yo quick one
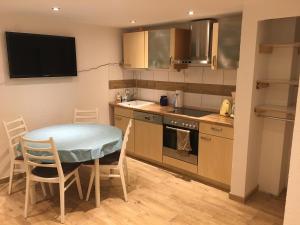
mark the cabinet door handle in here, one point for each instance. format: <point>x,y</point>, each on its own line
<point>214,62</point>
<point>216,129</point>
<point>205,138</point>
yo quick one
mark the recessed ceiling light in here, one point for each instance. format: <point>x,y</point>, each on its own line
<point>191,13</point>
<point>56,9</point>
<point>132,21</point>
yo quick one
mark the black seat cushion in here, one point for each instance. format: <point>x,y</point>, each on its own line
<point>52,172</point>
<point>19,157</point>
<point>111,159</point>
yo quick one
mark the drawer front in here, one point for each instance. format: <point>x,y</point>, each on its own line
<point>147,117</point>
<point>124,112</point>
<point>180,164</point>
<point>216,130</point>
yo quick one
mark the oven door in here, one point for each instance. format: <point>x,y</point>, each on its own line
<point>170,145</point>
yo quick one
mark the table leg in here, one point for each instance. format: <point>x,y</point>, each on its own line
<point>97,183</point>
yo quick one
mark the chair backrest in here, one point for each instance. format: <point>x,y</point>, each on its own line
<point>41,153</point>
<point>124,144</point>
<point>15,130</point>
<point>86,116</point>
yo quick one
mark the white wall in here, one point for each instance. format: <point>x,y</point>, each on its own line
<point>45,101</point>
<point>246,155</point>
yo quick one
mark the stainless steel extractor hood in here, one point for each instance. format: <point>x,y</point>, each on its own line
<point>201,42</point>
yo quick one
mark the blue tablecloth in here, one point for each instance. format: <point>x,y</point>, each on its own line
<point>80,142</point>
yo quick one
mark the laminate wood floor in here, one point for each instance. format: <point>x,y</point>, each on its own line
<point>156,197</point>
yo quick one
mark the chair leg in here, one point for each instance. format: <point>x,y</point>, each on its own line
<point>62,201</point>
<point>126,171</point>
<point>33,192</point>
<point>11,176</point>
<point>51,189</point>
<point>123,182</point>
<point>78,184</point>
<point>44,189</point>
<point>92,176</point>
<point>27,197</point>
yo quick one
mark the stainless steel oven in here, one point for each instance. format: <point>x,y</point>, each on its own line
<point>170,128</point>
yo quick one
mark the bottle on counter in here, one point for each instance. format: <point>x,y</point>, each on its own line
<point>118,98</point>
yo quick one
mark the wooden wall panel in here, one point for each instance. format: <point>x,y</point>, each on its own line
<point>117,84</point>
<point>209,89</point>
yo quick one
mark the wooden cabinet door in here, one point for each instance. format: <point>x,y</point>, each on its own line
<point>180,40</point>
<point>135,49</point>
<point>148,140</point>
<point>122,122</point>
<point>215,158</point>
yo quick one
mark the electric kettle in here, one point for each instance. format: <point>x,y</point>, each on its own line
<point>225,109</point>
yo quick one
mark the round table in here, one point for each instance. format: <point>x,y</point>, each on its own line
<point>82,142</point>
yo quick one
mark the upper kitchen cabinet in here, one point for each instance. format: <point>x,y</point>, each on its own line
<point>162,48</point>
<point>167,47</point>
<point>159,48</point>
<point>135,50</point>
<point>226,41</point>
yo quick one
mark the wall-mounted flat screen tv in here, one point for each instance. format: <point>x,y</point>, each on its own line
<point>37,55</point>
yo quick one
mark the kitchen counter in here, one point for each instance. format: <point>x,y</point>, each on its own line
<point>168,111</point>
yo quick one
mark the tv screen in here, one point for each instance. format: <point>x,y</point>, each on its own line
<point>36,55</point>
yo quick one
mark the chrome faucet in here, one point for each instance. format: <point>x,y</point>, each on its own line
<point>127,96</point>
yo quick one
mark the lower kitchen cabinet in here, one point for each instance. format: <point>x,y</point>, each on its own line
<point>148,140</point>
<point>122,122</point>
<point>215,158</point>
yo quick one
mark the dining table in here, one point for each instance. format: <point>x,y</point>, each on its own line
<point>82,142</point>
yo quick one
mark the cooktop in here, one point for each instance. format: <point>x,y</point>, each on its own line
<point>190,112</point>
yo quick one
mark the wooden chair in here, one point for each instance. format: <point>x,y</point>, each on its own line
<point>42,164</point>
<point>115,162</point>
<point>15,130</point>
<point>86,116</point>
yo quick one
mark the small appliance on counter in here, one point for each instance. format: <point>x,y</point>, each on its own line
<point>178,99</point>
<point>164,100</point>
<point>225,109</point>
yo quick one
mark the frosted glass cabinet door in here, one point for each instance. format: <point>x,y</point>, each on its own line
<point>159,49</point>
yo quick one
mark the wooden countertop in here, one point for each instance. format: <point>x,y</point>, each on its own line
<point>168,110</point>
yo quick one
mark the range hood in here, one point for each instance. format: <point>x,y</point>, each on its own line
<point>201,42</point>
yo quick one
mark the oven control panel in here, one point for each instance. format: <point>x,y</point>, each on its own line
<point>188,124</point>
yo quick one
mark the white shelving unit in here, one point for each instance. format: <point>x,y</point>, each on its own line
<point>284,113</point>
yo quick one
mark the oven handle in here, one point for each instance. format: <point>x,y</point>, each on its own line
<point>176,129</point>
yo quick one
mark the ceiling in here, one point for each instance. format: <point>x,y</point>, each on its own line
<point>118,13</point>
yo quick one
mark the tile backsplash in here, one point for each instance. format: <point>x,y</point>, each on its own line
<point>191,75</point>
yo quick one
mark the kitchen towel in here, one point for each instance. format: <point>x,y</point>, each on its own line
<point>183,140</point>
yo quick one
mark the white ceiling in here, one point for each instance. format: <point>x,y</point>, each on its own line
<point>118,13</point>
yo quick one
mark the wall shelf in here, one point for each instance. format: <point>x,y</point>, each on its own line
<point>275,112</point>
<point>268,82</point>
<point>268,48</point>
<point>288,110</point>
